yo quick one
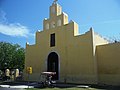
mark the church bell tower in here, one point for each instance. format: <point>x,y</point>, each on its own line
<point>55,9</point>
<point>56,18</point>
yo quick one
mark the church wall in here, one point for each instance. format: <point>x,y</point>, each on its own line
<point>75,54</point>
<point>82,58</point>
<point>63,17</point>
<point>79,59</point>
<point>109,64</point>
<point>31,58</point>
<point>36,55</point>
<point>86,58</point>
<point>97,40</point>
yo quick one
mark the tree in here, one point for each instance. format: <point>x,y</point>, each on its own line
<point>11,56</point>
<point>114,39</point>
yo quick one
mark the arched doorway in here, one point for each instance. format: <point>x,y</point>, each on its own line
<point>53,65</point>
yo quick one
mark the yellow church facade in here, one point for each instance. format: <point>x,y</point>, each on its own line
<point>76,58</point>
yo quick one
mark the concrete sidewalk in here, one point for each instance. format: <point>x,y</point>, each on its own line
<point>1,88</point>
<point>14,87</point>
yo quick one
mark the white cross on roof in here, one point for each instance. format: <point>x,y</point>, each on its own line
<point>55,1</point>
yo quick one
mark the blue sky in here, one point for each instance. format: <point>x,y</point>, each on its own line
<point>20,19</point>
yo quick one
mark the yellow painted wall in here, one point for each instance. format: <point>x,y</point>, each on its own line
<point>75,53</point>
<point>86,58</point>
<point>109,63</point>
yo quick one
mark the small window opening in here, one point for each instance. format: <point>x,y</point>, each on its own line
<point>52,40</point>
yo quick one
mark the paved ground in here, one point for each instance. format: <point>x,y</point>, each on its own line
<point>23,85</point>
<point>11,89</point>
<point>15,87</point>
<point>32,85</point>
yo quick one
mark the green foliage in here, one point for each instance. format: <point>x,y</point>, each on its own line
<point>11,56</point>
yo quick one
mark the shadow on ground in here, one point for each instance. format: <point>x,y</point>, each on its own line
<point>105,87</point>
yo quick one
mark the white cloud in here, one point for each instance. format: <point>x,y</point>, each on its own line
<point>13,29</point>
